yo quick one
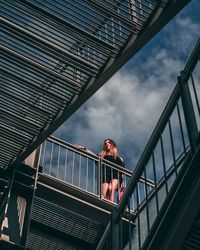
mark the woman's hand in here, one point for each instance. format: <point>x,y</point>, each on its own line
<point>122,187</point>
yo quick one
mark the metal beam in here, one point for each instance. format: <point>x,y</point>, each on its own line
<point>128,52</point>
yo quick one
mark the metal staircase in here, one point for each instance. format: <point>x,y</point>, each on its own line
<point>54,56</point>
<point>192,240</point>
<point>60,206</point>
<point>169,213</point>
<point>65,225</point>
<point>57,54</point>
<point>20,190</point>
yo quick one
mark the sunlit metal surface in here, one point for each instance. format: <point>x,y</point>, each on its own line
<point>55,54</point>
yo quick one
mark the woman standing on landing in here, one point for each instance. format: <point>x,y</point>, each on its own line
<point>111,178</point>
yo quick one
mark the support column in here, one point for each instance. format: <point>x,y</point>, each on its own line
<point>115,231</point>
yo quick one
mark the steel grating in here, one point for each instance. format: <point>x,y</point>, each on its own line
<point>66,222</point>
<point>40,241</point>
<point>55,54</point>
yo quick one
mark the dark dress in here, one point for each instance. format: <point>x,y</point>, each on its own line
<point>109,173</point>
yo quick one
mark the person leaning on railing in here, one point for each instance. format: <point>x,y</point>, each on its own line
<point>112,179</point>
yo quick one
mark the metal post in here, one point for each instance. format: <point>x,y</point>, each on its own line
<point>115,230</point>
<point>29,204</point>
<point>188,110</point>
<point>5,215</point>
<point>100,177</point>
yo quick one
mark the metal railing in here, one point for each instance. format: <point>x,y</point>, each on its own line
<point>83,170</point>
<point>175,136</point>
<point>56,54</point>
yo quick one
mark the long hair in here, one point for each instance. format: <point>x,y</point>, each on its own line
<point>113,150</point>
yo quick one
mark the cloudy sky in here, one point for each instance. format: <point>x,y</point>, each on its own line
<point>129,105</point>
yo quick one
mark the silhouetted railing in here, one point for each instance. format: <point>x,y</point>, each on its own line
<point>175,136</point>
<point>82,169</point>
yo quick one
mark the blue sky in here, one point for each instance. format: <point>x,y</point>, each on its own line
<point>129,105</point>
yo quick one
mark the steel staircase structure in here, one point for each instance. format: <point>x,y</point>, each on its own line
<point>54,56</point>
<point>57,54</point>
<point>46,205</point>
<point>169,216</point>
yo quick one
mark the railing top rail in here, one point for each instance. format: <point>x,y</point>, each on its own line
<point>88,154</point>
<point>149,147</point>
<point>65,144</point>
<point>195,56</point>
<point>158,130</point>
<point>97,158</point>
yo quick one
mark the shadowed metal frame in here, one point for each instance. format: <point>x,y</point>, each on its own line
<point>57,54</point>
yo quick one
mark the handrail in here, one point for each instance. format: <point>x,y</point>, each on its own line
<point>157,168</point>
<point>150,146</point>
<point>173,121</point>
<point>80,168</point>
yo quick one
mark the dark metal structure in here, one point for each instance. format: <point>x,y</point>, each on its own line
<point>169,216</point>
<point>47,204</point>
<point>54,56</point>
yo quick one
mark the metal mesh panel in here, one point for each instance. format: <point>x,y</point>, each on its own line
<point>66,221</point>
<point>54,56</point>
<point>38,241</point>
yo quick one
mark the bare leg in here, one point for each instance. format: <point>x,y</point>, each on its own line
<point>109,191</point>
<point>114,184</point>
<point>121,190</point>
<point>104,190</point>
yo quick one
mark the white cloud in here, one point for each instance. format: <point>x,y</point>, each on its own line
<point>182,35</point>
<point>128,107</point>
<point>126,112</point>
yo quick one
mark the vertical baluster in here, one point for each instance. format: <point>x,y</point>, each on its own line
<point>93,177</point>
<point>73,159</point>
<point>118,186</point>
<point>188,109</point>
<point>121,232</point>
<point>155,180</point>
<point>44,152</point>
<point>87,169</point>
<point>112,177</point>
<point>133,202</point>
<point>164,165</point>
<point>172,145</point>
<point>79,171</point>
<point>143,186</point>
<point>58,162</point>
<point>66,156</point>
<point>181,127</point>
<point>129,225</point>
<point>51,157</point>
<point>100,177</point>
<point>138,215</point>
<point>146,198</point>
<point>195,94</point>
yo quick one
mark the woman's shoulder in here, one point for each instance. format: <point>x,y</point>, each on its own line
<point>120,160</point>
